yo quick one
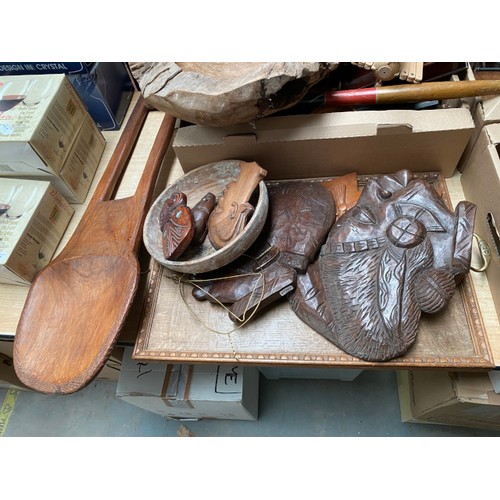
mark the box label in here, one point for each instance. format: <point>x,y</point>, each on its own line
<point>228,380</point>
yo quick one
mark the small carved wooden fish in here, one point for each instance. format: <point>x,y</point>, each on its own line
<point>176,225</point>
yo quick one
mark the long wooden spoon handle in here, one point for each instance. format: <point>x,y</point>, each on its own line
<point>122,153</point>
<point>144,192</point>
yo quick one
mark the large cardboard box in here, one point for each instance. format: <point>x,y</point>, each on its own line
<point>33,219</point>
<point>46,132</point>
<point>481,184</point>
<point>464,399</point>
<point>321,145</point>
<point>190,392</point>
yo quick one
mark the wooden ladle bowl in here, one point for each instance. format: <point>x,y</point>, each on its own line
<point>196,184</point>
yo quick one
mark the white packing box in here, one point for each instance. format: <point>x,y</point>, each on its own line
<point>33,219</point>
<point>46,133</point>
<point>279,372</point>
<point>319,145</point>
<point>190,392</point>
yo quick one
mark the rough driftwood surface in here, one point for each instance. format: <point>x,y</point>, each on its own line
<point>225,93</point>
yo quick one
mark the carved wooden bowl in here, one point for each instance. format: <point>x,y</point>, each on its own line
<point>196,184</point>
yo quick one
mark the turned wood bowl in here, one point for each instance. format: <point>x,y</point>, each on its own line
<point>195,184</point>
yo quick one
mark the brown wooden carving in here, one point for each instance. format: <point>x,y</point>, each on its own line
<point>345,192</point>
<point>176,225</point>
<point>219,94</point>
<point>398,252</point>
<point>301,215</point>
<point>277,281</point>
<point>299,219</point>
<point>201,212</point>
<point>233,209</point>
<point>77,304</point>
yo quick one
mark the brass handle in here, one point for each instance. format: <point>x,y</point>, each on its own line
<point>485,252</point>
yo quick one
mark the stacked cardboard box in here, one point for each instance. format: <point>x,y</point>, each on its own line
<point>46,133</point>
<point>105,88</point>
<point>33,219</point>
<point>190,392</point>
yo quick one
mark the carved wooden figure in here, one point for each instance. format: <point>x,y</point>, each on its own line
<point>201,212</point>
<point>398,252</point>
<point>233,209</point>
<point>176,225</point>
<point>345,192</point>
<point>299,219</point>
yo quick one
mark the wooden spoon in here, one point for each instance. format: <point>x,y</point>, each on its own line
<point>78,303</point>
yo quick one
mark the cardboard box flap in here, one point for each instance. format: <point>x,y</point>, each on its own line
<point>334,143</point>
<point>326,126</point>
<point>475,388</point>
<point>387,129</point>
<point>490,110</point>
<point>493,132</point>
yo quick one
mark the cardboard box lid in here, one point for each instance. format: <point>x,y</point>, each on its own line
<point>317,145</point>
<point>488,110</point>
<point>328,126</point>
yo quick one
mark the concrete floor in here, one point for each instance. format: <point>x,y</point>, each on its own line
<point>365,407</point>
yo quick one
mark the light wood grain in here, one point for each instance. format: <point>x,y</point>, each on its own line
<point>78,303</point>
<point>232,211</point>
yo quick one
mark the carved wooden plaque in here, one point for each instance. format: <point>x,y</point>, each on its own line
<point>453,339</point>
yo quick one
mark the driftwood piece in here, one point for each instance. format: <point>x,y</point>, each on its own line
<point>233,209</point>
<point>398,252</point>
<point>176,226</point>
<point>220,94</point>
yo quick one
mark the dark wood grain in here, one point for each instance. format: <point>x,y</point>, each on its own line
<point>176,225</point>
<point>398,252</point>
<point>201,212</point>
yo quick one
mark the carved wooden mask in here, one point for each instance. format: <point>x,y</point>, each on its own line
<point>398,252</point>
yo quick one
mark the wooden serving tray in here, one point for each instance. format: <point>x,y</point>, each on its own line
<point>454,339</point>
